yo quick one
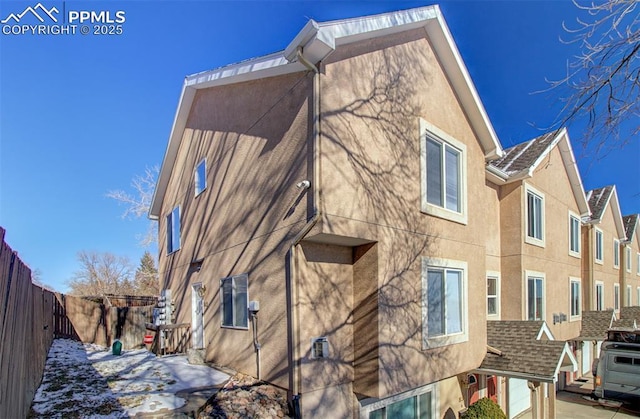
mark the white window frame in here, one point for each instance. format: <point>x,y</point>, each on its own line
<point>638,296</point>
<point>627,256</point>
<point>533,274</point>
<point>428,130</point>
<point>599,301</point>
<point>528,189</point>
<point>370,405</point>
<point>616,253</point>
<point>573,281</point>
<point>638,266</point>
<point>429,342</point>
<point>233,299</point>
<point>616,297</point>
<point>573,217</point>
<point>598,243</point>
<point>628,296</point>
<point>200,181</point>
<point>172,218</point>
<point>496,276</point>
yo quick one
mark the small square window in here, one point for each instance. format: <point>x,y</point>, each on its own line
<point>201,177</point>
<point>319,347</point>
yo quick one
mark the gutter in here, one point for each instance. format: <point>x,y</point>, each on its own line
<point>295,376</point>
<point>509,374</point>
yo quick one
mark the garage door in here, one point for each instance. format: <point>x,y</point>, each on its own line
<point>518,396</point>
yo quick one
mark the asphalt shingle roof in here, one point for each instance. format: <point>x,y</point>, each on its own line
<point>521,352</point>
<point>595,324</point>
<point>630,222</point>
<point>522,156</point>
<point>598,199</point>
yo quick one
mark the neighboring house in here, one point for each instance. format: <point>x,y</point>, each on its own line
<point>340,186</point>
<point>630,261</point>
<point>603,234</point>
<point>542,203</point>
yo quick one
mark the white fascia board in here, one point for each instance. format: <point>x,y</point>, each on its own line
<point>544,330</point>
<point>495,175</point>
<point>179,123</point>
<point>567,353</point>
<point>459,77</point>
<point>546,152</point>
<point>510,374</point>
<point>617,214</point>
<point>571,165</point>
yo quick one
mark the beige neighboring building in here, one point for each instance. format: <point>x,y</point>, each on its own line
<point>339,186</point>
<point>542,203</point>
<point>630,261</point>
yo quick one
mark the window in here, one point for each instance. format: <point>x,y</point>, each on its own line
<point>638,266</point>
<point>575,298</point>
<point>535,297</point>
<point>417,404</point>
<point>616,297</point>
<point>444,308</point>
<point>173,230</point>
<point>627,258</point>
<point>616,253</point>
<point>638,295</point>
<point>443,174</point>
<point>628,296</point>
<point>200,177</point>
<point>492,295</point>
<point>599,246</point>
<point>574,236</point>
<point>599,296</point>
<point>235,301</point>
<point>534,217</point>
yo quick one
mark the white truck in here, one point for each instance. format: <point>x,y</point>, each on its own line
<point>617,372</point>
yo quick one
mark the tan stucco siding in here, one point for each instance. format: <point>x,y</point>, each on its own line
<point>256,139</point>
<point>605,272</point>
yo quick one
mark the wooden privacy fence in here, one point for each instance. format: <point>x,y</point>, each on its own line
<point>26,333</point>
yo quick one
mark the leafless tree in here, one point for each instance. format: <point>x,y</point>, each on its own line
<point>102,273</point>
<point>603,81</point>
<point>138,202</point>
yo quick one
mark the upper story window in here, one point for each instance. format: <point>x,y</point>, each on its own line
<point>235,301</point>
<point>574,235</point>
<point>200,177</point>
<point>535,296</point>
<point>493,299</point>
<point>444,182</point>
<point>616,253</point>
<point>627,258</point>
<point>444,302</point>
<point>638,266</point>
<point>575,298</point>
<point>599,246</point>
<point>535,217</point>
<point>173,230</point>
<point>599,296</point>
<point>628,296</point>
<point>616,297</point>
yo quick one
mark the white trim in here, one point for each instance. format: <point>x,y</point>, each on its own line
<point>574,280</point>
<point>629,297</point>
<point>616,301</point>
<point>616,251</point>
<point>573,216</point>
<point>494,274</point>
<point>528,239</point>
<point>428,130</point>
<point>638,267</point>
<point>595,246</point>
<point>627,259</point>
<point>534,274</point>
<point>638,296</point>
<point>233,279</point>
<point>444,340</point>
<point>369,405</point>
<point>602,305</point>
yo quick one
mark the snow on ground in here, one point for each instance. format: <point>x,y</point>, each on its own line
<point>88,381</point>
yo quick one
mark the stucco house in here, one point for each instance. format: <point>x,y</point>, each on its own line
<point>324,217</point>
<point>630,261</point>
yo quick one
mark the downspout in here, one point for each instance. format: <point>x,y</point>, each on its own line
<point>295,378</point>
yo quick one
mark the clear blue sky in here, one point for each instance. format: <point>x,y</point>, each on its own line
<point>82,114</point>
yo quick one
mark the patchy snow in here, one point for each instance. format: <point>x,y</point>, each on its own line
<point>88,381</point>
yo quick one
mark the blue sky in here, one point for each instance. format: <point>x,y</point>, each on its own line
<point>82,114</point>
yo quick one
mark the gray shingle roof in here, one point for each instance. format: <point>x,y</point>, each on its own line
<point>598,199</point>
<point>595,324</point>
<point>522,156</point>
<point>521,352</point>
<point>630,222</point>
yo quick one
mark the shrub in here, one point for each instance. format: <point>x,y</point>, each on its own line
<point>484,409</point>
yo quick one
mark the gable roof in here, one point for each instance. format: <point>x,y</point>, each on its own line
<point>630,223</point>
<point>314,43</point>
<point>521,161</point>
<point>522,353</point>
<point>594,324</point>
<point>598,200</point>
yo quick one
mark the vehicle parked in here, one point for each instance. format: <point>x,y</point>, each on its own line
<point>617,372</point>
